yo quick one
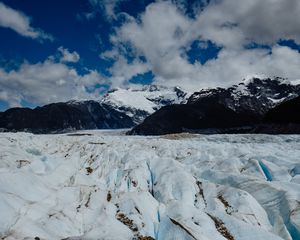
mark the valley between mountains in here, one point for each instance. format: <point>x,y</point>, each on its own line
<point>106,185</point>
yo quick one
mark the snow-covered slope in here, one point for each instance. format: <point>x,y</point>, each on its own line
<point>105,185</point>
<point>138,103</point>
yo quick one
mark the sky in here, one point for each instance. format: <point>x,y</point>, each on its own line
<point>53,51</point>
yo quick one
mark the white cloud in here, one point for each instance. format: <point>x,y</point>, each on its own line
<point>46,82</point>
<point>253,20</point>
<point>19,22</point>
<point>122,71</point>
<point>164,33</point>
<point>107,7</point>
<point>67,56</point>
<point>159,37</point>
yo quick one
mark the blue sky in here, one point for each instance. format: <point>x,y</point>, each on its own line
<point>60,50</point>
<point>68,26</point>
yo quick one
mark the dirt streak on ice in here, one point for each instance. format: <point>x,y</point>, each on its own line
<point>105,185</point>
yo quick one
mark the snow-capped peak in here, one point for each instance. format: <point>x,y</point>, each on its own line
<point>140,101</point>
<point>293,82</point>
<point>253,93</point>
<point>249,78</point>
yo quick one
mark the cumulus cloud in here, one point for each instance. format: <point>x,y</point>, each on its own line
<point>164,33</point>
<point>20,23</point>
<point>47,82</point>
<point>67,56</point>
<point>122,71</point>
<point>159,36</point>
<point>254,20</point>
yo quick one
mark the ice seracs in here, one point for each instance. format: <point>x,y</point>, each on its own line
<point>105,185</point>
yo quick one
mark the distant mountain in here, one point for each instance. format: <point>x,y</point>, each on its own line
<point>59,117</point>
<point>120,108</point>
<point>185,117</point>
<point>221,110</point>
<point>233,109</point>
<point>253,96</point>
<point>139,103</point>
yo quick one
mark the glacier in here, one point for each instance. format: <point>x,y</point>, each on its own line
<point>106,185</point>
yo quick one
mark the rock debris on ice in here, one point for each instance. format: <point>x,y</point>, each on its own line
<point>105,185</point>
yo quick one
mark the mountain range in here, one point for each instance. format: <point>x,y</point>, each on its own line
<point>254,105</point>
<point>119,108</point>
<point>241,108</point>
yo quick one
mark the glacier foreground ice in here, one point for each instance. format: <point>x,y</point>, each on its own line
<point>105,185</point>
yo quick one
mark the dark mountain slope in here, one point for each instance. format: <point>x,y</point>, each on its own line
<point>57,117</point>
<point>287,112</point>
<point>179,118</point>
<point>282,119</point>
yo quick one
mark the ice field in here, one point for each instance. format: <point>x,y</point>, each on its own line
<point>106,185</point>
